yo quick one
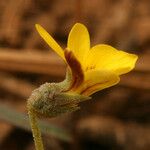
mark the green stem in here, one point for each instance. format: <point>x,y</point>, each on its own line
<point>35,129</point>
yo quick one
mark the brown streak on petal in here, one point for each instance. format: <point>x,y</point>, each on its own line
<point>76,68</point>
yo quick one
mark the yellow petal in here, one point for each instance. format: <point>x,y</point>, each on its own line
<point>79,41</point>
<point>97,80</point>
<point>106,57</point>
<point>50,41</point>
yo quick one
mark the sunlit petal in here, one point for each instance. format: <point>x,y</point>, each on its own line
<point>106,57</point>
<point>79,41</point>
<point>49,40</point>
<point>97,80</point>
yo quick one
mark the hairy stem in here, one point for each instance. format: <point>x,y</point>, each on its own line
<point>35,129</point>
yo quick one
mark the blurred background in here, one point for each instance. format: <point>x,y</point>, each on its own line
<point>117,118</point>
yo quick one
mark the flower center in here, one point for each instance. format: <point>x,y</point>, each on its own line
<point>90,68</point>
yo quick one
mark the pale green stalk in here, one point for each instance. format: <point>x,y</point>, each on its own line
<point>51,100</point>
<point>35,130</point>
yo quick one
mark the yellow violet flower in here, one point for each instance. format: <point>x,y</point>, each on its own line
<point>92,69</point>
<point>89,70</point>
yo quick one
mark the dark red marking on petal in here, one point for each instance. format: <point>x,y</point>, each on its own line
<point>76,68</point>
<point>90,68</point>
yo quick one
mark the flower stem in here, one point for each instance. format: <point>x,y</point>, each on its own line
<point>35,130</point>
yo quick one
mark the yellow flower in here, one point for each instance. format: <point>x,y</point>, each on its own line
<point>92,69</point>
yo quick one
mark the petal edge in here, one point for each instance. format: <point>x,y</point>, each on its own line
<point>49,40</point>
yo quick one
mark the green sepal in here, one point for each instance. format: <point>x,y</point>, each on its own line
<point>65,98</point>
